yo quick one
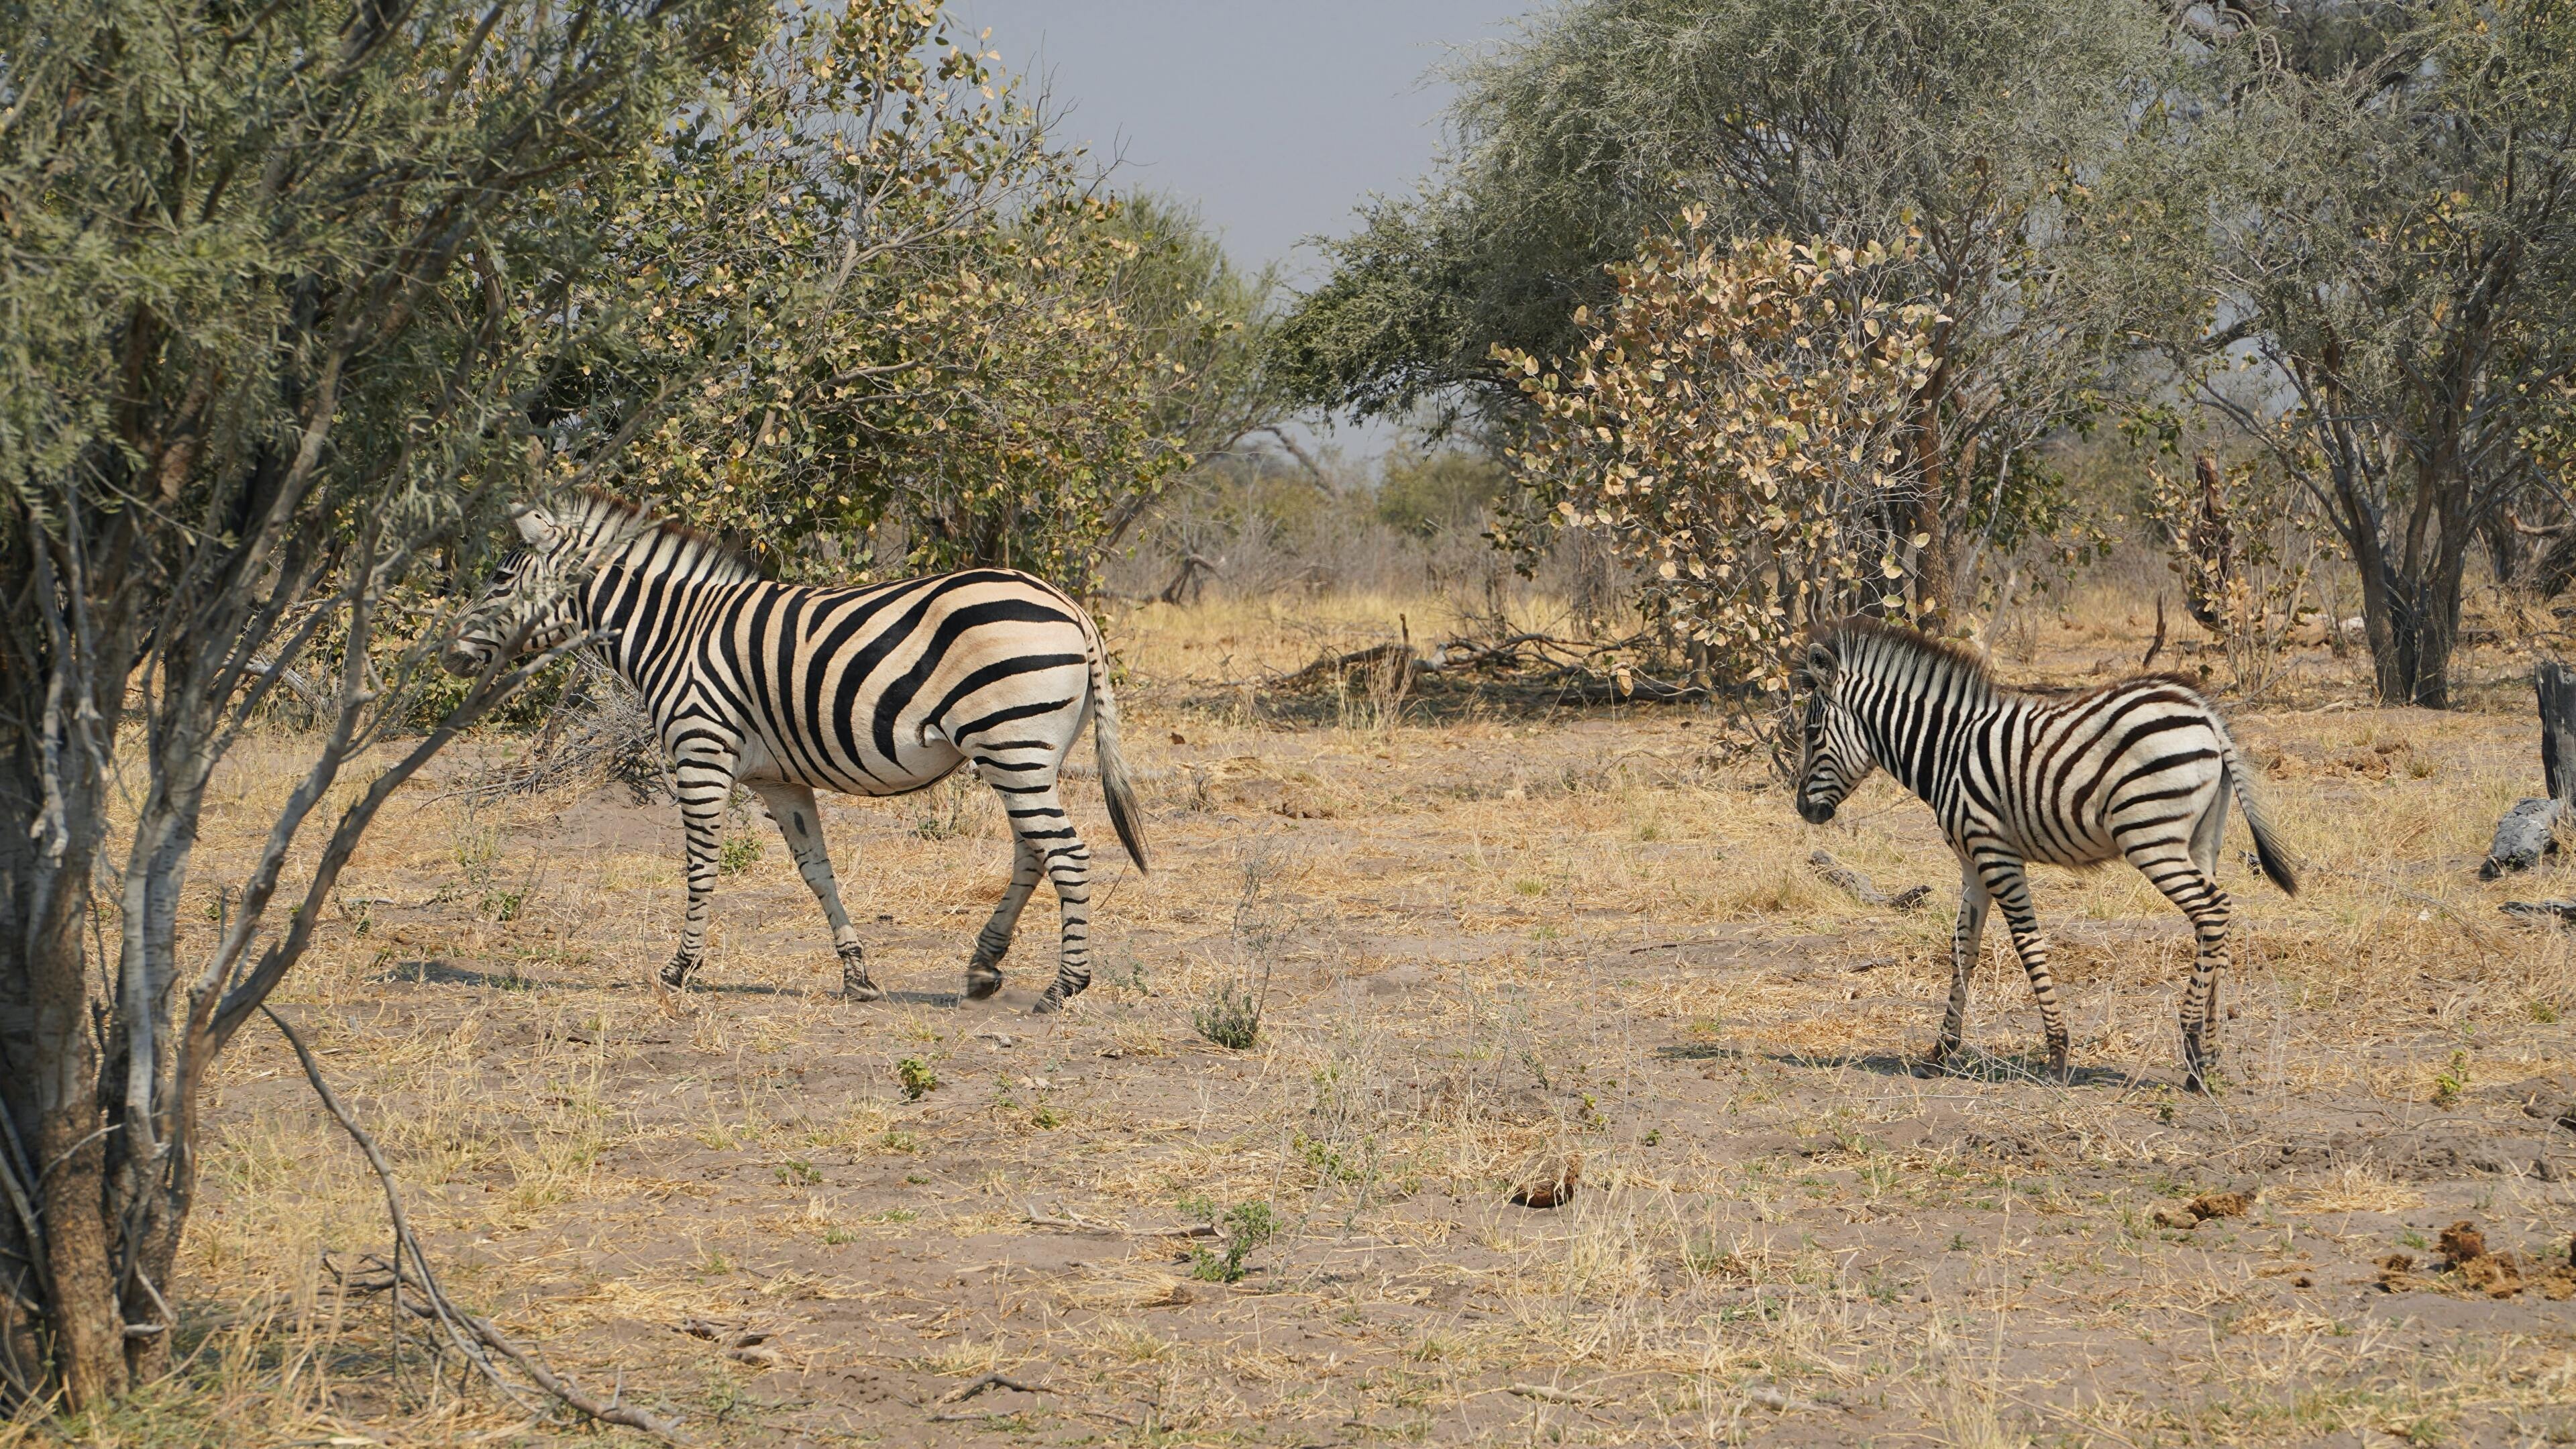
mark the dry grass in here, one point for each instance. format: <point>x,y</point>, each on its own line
<point>1491,942</point>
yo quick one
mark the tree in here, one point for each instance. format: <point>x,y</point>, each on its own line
<point>1736,426</point>
<point>296,292</point>
<point>927,321</point>
<point>2368,212</point>
<point>1967,127</point>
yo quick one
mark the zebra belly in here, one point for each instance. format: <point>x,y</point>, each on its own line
<point>932,761</point>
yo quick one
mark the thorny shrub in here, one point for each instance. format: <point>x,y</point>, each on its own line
<point>1735,427</point>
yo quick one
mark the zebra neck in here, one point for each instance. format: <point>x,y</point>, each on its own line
<point>643,592</point>
<point>1920,725</point>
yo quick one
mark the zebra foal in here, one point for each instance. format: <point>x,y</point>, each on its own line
<point>2139,771</point>
<point>877,690</point>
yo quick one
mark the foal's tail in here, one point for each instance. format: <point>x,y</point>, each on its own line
<point>1124,814</point>
<point>2267,851</point>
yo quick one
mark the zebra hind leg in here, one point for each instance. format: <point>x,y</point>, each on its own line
<point>984,972</point>
<point>1045,831</point>
<point>2196,895</point>
<point>2009,884</point>
<point>801,824</point>
<point>1964,942</point>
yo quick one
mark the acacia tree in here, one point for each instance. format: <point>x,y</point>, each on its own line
<point>1972,127</point>
<point>2369,214</point>
<point>1736,426</point>
<point>290,288</point>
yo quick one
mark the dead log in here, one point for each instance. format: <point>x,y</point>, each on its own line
<point>1858,886</point>
<point>2528,831</point>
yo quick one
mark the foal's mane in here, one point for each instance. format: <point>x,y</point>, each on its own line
<point>1860,635</point>
<point>644,518</point>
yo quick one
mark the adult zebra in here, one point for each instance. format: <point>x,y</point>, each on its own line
<point>879,690</point>
<point>2139,770</point>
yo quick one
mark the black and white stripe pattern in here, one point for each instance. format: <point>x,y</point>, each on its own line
<point>879,690</point>
<point>2138,771</point>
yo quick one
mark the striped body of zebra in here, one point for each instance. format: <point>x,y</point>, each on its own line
<point>2139,771</point>
<point>879,690</point>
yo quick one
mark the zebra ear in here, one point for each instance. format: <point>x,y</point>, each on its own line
<point>1820,662</point>
<point>535,527</point>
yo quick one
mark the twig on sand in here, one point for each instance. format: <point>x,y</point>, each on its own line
<point>964,1392</point>
<point>1546,1395</point>
<point>434,1304</point>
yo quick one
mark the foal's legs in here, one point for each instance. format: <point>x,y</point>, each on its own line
<point>2009,884</point>
<point>706,775</point>
<point>1045,834</point>
<point>984,972</point>
<point>802,825</point>
<point>2189,886</point>
<point>1964,939</point>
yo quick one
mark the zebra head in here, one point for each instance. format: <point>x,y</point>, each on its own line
<point>1833,755</point>
<point>530,602</point>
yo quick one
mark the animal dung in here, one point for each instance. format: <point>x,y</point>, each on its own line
<point>2187,1216</point>
<point>1550,1183</point>
<point>2462,1241</point>
<point>2221,1205</point>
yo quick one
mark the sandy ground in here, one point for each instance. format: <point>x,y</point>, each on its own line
<point>1492,949</point>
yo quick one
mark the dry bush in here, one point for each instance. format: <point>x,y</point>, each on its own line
<point>1736,428</point>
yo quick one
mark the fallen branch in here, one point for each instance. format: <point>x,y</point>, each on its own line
<point>1546,1395</point>
<point>435,1305</point>
<point>990,1381</point>
<point>1858,886</point>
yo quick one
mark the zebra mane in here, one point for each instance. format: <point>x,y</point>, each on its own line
<point>710,556</point>
<point>1868,642</point>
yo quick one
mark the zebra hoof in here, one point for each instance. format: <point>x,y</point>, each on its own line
<point>982,982</point>
<point>675,973</point>
<point>855,985</point>
<point>1051,1003</point>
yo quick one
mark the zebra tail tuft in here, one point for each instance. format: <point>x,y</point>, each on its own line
<point>2267,852</point>
<point>1124,814</point>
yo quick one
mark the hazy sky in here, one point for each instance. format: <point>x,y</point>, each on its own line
<point>1276,117</point>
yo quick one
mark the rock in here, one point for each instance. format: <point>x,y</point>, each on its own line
<point>2170,1216</point>
<point>2221,1205</point>
<point>1551,1184</point>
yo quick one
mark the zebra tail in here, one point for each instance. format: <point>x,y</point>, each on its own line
<point>2267,852</point>
<point>1124,814</point>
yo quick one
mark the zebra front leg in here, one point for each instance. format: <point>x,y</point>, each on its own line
<point>984,972</point>
<point>801,823</point>
<point>2197,896</point>
<point>1964,942</point>
<point>705,784</point>
<point>2009,884</point>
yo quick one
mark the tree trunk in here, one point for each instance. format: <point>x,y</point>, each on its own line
<point>2555,684</point>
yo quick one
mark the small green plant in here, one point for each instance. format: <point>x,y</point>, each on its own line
<point>1197,1207</point>
<point>1045,1119</point>
<point>1241,1231</point>
<point>505,906</point>
<point>2451,1081</point>
<point>2544,1011</point>
<point>835,1235</point>
<point>916,1078</point>
<point>737,853</point>
<point>1230,1016</point>
<point>795,1172</point>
